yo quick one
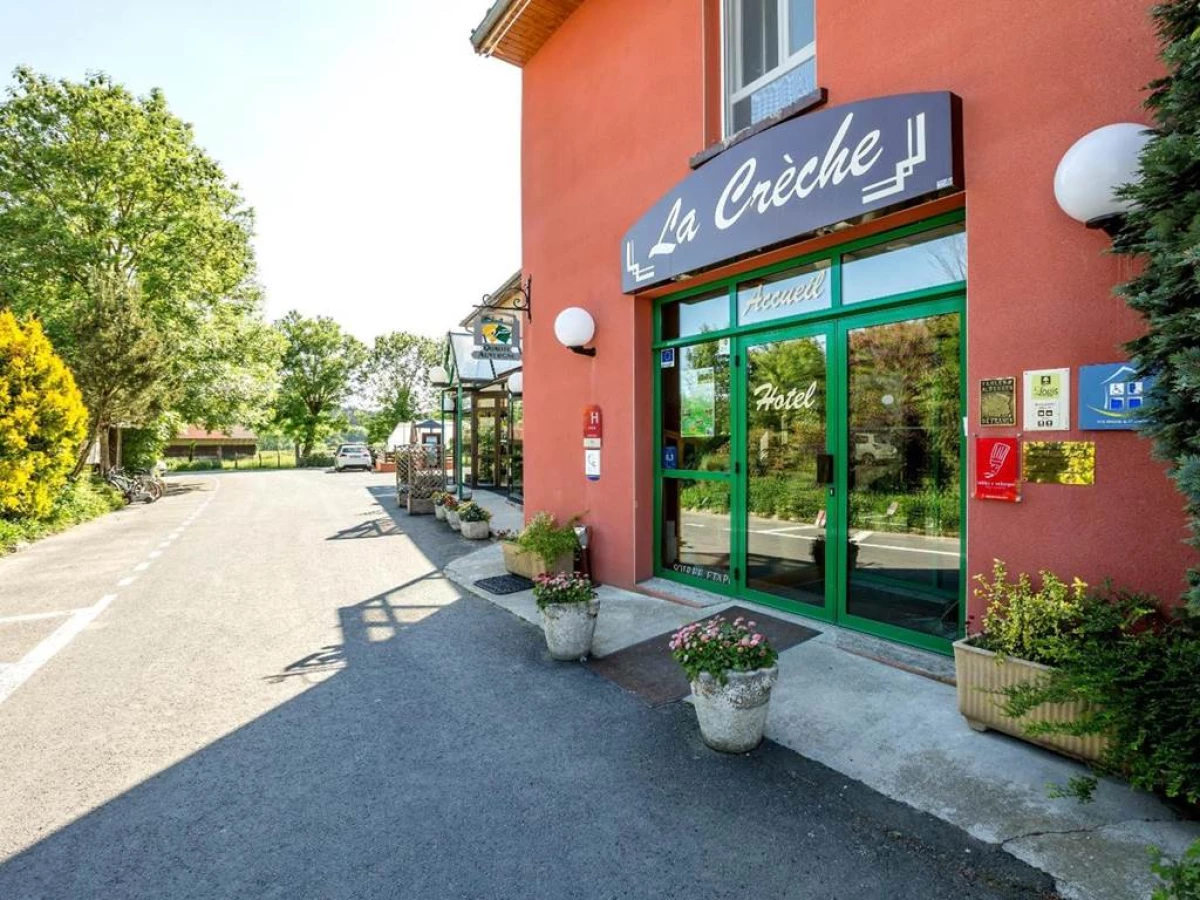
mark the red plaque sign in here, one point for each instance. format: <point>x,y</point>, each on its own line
<point>996,468</point>
<point>593,425</point>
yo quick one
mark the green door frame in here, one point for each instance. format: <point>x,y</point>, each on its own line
<point>836,322</point>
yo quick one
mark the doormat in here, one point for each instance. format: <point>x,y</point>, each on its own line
<point>648,670</point>
<point>505,584</point>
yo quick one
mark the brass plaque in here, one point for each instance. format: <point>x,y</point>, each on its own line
<point>998,401</point>
<point>1059,462</point>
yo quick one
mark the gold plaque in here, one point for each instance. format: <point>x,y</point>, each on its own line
<point>998,401</point>
<point>1059,462</point>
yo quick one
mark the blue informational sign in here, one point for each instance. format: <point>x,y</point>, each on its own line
<point>1111,397</point>
<point>666,358</point>
<point>670,457</point>
<point>798,176</point>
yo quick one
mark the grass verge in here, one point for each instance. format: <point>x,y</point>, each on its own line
<point>80,500</point>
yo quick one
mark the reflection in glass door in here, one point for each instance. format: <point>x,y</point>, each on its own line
<point>787,468</point>
<point>903,471</point>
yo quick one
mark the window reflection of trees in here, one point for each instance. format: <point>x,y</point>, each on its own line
<point>904,394</point>
<point>783,443</point>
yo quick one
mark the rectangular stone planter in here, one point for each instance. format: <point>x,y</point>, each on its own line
<point>419,507</point>
<point>475,531</point>
<point>522,562</point>
<point>983,676</point>
<point>452,519</point>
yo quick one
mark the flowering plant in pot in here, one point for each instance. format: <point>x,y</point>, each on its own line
<point>451,505</point>
<point>473,521</point>
<point>732,669</point>
<point>569,607</point>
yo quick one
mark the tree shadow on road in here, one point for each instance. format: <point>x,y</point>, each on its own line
<point>440,753</point>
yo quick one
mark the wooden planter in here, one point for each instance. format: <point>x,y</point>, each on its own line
<point>522,562</point>
<point>983,677</point>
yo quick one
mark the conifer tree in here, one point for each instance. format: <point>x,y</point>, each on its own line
<point>1163,233</point>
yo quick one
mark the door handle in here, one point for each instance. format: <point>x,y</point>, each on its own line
<point>824,468</point>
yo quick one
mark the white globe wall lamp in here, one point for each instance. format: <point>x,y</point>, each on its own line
<point>574,327</point>
<point>439,377</point>
<point>515,383</point>
<point>1093,168</point>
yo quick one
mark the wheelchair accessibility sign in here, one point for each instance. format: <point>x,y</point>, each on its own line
<point>1111,397</point>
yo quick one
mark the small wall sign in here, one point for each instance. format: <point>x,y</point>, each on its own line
<point>1112,397</point>
<point>1059,462</point>
<point>997,470</point>
<point>998,401</point>
<point>591,464</point>
<point>666,358</point>
<point>670,457</point>
<point>593,422</point>
<point>1047,400</point>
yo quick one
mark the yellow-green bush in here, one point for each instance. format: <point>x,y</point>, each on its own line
<point>42,420</point>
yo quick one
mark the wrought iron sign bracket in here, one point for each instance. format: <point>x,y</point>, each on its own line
<point>523,302</point>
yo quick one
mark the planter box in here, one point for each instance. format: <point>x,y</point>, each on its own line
<point>476,531</point>
<point>452,519</point>
<point>418,507</point>
<point>982,678</point>
<point>439,513</point>
<point>522,562</point>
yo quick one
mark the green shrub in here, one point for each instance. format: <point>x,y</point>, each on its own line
<point>1137,670</point>
<point>77,501</point>
<point>473,512</point>
<point>547,539</point>
<point>1180,878</point>
<point>315,461</point>
<point>1032,624</point>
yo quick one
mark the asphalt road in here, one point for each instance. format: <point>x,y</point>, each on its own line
<point>262,686</point>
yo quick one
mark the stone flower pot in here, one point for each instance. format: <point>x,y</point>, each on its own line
<point>569,628</point>
<point>452,519</point>
<point>439,512</point>
<point>476,531</point>
<point>530,565</point>
<point>982,678</point>
<point>733,715</point>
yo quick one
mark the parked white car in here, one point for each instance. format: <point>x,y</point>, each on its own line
<point>353,456</point>
<point>869,448</point>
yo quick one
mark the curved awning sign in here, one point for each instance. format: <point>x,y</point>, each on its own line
<point>801,175</point>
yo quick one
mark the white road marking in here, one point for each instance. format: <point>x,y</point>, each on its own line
<point>164,545</point>
<point>126,582</point>
<point>155,554</point>
<point>15,675</point>
<point>141,567</point>
<point>910,549</point>
<point>33,617</point>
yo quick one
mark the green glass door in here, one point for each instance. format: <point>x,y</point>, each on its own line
<point>850,441</point>
<point>903,504</point>
<point>788,486</point>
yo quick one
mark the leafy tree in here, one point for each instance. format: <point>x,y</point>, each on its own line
<point>1164,231</point>
<point>396,380</point>
<point>98,187</point>
<point>120,359</point>
<point>321,365</point>
<point>42,420</point>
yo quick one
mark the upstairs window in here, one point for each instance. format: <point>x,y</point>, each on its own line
<point>770,58</point>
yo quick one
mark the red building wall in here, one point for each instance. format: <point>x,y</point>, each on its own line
<point>613,107</point>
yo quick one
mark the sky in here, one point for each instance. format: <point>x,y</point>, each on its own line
<point>380,154</point>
